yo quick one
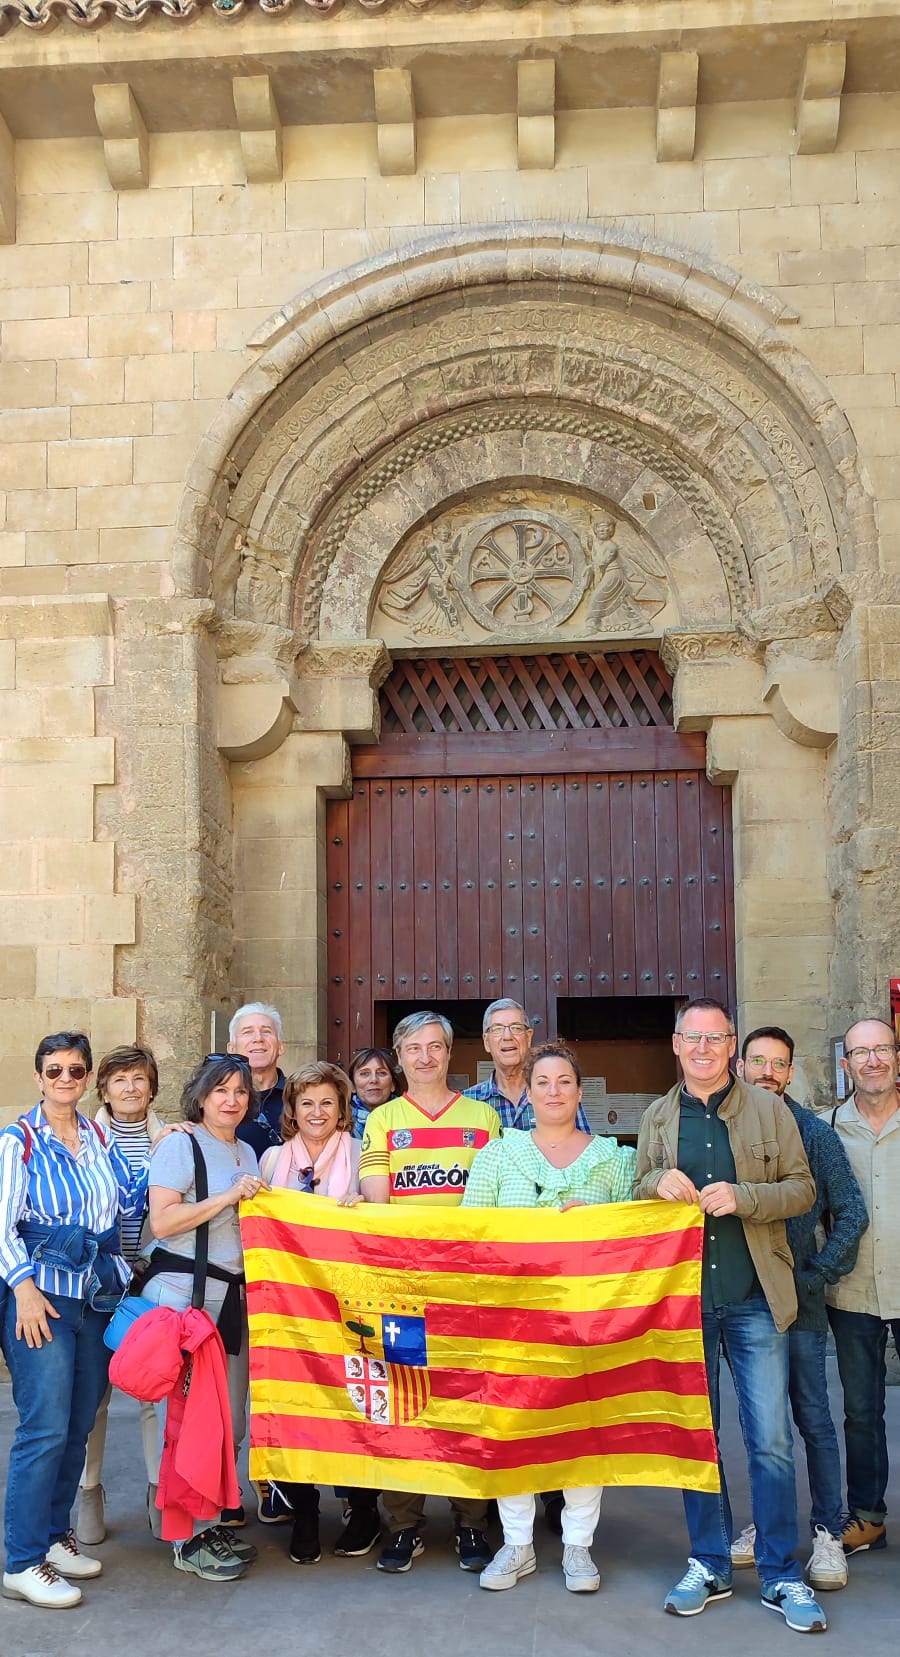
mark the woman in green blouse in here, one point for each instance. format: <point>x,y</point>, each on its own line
<point>553,1166</point>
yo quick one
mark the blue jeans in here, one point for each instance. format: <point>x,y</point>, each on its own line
<point>812,1414</point>
<point>861,1342</point>
<point>57,1389</point>
<point>757,1355</point>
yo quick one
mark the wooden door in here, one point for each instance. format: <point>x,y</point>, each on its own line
<point>553,857</point>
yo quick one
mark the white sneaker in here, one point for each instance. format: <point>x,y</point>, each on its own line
<point>507,1566</point>
<point>743,1548</point>
<point>827,1567</point>
<point>41,1585</point>
<point>582,1575</point>
<point>67,1558</point>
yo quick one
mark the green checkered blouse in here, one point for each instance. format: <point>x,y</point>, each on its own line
<point>512,1173</point>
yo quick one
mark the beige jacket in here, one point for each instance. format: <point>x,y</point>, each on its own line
<point>774,1179</point>
<point>155,1124</point>
<point>873,1286</point>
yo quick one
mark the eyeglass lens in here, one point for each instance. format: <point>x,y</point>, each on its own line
<point>76,1071</point>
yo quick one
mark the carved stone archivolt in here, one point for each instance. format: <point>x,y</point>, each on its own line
<point>536,358</point>
<point>522,565</point>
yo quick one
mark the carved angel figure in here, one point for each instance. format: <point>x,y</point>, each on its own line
<point>624,595</point>
<point>417,592</point>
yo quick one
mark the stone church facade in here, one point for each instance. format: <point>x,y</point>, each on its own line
<point>337,338</point>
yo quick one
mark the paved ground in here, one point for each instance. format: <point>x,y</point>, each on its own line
<point>141,1607</point>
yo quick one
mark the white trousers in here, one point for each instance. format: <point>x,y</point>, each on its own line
<point>581,1510</point>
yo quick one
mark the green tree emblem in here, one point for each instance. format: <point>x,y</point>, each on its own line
<point>362,1330</point>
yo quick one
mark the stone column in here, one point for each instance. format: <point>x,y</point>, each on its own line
<point>784,929</point>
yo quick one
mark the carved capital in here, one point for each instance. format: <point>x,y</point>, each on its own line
<point>367,660</point>
<point>708,644</point>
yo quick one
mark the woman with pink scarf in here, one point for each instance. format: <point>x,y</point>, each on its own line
<point>320,1156</point>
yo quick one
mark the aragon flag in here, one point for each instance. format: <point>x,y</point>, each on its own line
<point>476,1352</point>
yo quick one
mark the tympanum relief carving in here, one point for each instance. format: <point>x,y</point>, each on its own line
<point>523,565</point>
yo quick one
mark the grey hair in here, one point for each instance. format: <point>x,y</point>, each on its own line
<point>704,1004</point>
<point>417,1021</point>
<point>506,1004</point>
<point>256,1009</point>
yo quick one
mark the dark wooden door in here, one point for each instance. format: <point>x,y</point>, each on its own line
<point>588,859</point>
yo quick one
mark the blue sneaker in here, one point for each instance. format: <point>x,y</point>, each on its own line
<point>271,1507</point>
<point>693,1593</point>
<point>798,1606</point>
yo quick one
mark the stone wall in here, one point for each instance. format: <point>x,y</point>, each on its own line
<point>145,873</point>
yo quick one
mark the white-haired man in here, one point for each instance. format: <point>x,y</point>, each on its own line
<point>507,1032</point>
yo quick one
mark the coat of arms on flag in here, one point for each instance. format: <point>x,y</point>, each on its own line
<point>385,1350</point>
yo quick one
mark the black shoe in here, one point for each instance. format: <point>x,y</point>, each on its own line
<point>232,1518</point>
<point>304,1548</point>
<point>404,1547</point>
<point>553,1507</point>
<point>474,1552</point>
<point>361,1532</point>
<point>242,1550</point>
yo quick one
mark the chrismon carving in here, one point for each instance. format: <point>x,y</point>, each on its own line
<point>438,435</point>
<point>519,563</point>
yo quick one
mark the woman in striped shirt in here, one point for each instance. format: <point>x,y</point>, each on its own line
<point>127,1084</point>
<point>62,1190</point>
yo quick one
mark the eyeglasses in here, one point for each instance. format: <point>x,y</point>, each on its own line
<point>236,1060</point>
<point>759,1063</point>
<point>884,1051</point>
<point>692,1038</point>
<point>506,1030</point>
<point>52,1072</point>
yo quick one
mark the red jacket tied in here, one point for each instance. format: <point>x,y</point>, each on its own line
<point>179,1356</point>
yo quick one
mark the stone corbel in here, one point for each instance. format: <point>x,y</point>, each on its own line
<point>537,112</point>
<point>126,148</point>
<point>7,184</point>
<point>257,696</point>
<point>676,106</point>
<point>260,128</point>
<point>395,113</point>
<point>819,98</point>
<point>802,697</point>
<point>338,687</point>
<point>716,671</point>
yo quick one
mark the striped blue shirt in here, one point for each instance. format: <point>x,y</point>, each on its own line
<point>514,1116</point>
<point>55,1187</point>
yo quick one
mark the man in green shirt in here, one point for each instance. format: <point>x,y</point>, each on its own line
<point>735,1150</point>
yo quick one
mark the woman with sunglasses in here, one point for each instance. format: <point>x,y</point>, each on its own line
<point>63,1188</point>
<point>321,1156</point>
<point>216,1099</point>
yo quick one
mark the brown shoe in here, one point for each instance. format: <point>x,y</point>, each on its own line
<point>860,1534</point>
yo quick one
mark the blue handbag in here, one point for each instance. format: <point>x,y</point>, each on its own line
<point>126,1314</point>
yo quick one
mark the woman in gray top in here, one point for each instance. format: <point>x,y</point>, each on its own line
<point>216,1098</point>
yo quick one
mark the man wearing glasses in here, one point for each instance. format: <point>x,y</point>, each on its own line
<point>865,1304</point>
<point>507,1033</point>
<point>821,1256</point>
<point>735,1150</point>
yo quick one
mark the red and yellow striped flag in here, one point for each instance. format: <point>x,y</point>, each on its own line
<point>476,1352</point>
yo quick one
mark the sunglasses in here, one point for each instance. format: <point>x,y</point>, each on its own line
<point>77,1072</point>
<point>236,1060</point>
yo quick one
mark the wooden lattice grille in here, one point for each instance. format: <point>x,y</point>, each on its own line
<point>576,692</point>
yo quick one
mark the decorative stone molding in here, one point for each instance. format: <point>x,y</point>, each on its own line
<point>260,128</point>
<point>395,113</point>
<point>676,106</point>
<point>819,97</point>
<point>126,149</point>
<point>536,110</point>
<point>381,375</point>
<point>368,660</point>
<point>712,644</point>
<point>7,184</point>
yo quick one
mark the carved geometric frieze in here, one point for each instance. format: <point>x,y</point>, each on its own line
<point>536,107</point>
<point>126,148</point>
